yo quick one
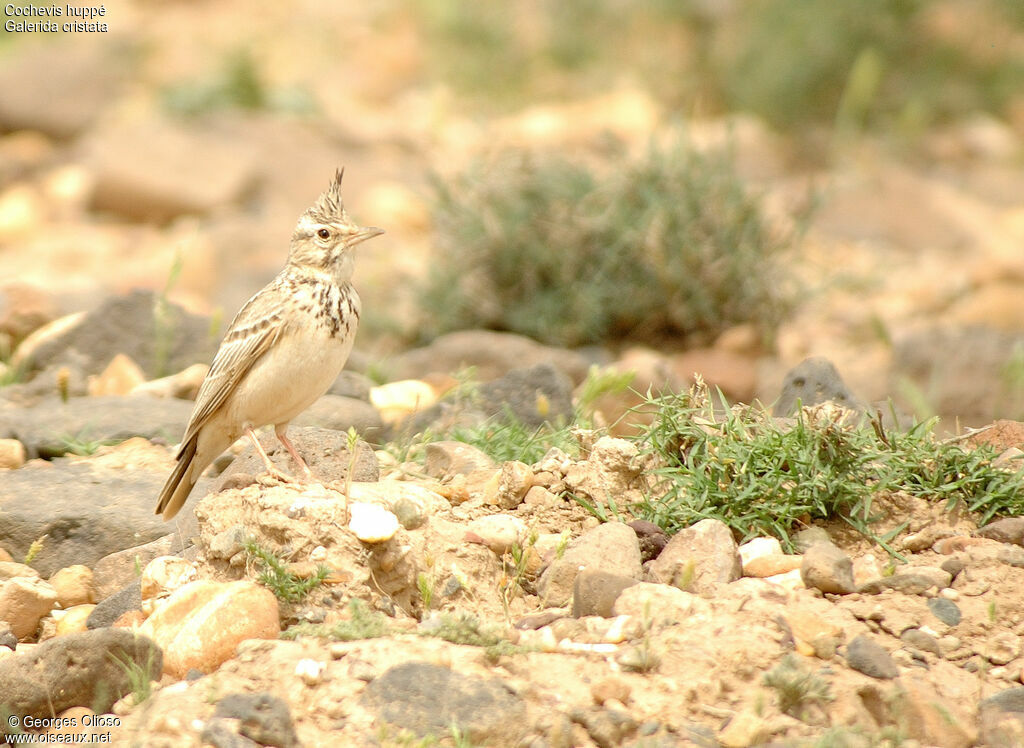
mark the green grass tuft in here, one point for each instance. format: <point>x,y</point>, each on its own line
<point>766,476</point>
<point>362,623</point>
<point>274,575</point>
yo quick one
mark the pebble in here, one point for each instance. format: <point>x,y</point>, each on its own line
<point>73,619</point>
<point>945,610</point>
<point>867,656</point>
<point>827,568</point>
<point>74,586</point>
<point>12,454</point>
<point>23,603</point>
<point>162,576</point>
<point>508,487</point>
<point>918,639</point>
<point>371,523</point>
<point>310,671</point>
<point>263,718</point>
<point>499,532</point>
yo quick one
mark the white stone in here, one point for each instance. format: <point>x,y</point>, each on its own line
<point>310,671</point>
<point>371,523</point>
<point>758,548</point>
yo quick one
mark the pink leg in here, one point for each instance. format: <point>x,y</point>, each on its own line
<point>280,431</point>
<point>271,467</point>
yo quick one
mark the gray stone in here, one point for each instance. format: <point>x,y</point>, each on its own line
<point>57,89</point>
<point>804,539</point>
<point>352,384</point>
<point>116,605</point>
<point>814,380</point>
<point>1012,555</point>
<point>221,733</point>
<point>491,354</point>
<point>161,338</point>
<point>51,428</point>
<point>264,718</point>
<point>531,396</point>
<point>89,512</point>
<point>447,458</point>
<point>867,656</point>
<point>698,558</point>
<point>827,568</point>
<point>339,413</point>
<point>325,452</point>
<point>915,580</point>
<point>606,727</point>
<point>945,610</point>
<point>428,699</point>
<point>1010,700</point>
<point>154,170</point>
<point>611,547</point>
<point>1005,530</point>
<point>918,639</point>
<point>86,668</point>
<point>595,591</point>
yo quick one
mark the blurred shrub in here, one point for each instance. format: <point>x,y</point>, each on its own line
<point>668,245</point>
<point>792,62</point>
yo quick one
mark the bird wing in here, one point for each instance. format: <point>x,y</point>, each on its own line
<point>253,330</point>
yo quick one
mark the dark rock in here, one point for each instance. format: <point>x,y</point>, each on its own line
<point>86,668</point>
<point>264,718</point>
<point>325,452</point>
<point>1001,719</point>
<point>869,657</point>
<point>909,581</point>
<point>492,354</point>
<point>160,338</point>
<point>1006,530</point>
<point>595,591</point>
<point>51,428</point>
<point>57,89</point>
<point>114,606</point>
<point>428,699</point>
<point>814,380</point>
<point>945,610</point>
<point>531,396</point>
<point>7,637</point>
<point>220,733</point>
<point>89,512</point>
<point>338,413</point>
<point>1010,700</point>
<point>698,558</point>
<point>652,539</point>
<point>827,568</point>
<point>156,170</point>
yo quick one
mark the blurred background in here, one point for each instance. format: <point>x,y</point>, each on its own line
<point>675,185</point>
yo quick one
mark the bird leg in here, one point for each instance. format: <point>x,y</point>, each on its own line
<point>306,472</point>
<point>274,471</point>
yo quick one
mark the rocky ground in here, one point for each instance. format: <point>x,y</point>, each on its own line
<point>467,597</point>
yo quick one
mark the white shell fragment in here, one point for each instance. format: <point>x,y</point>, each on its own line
<point>372,523</point>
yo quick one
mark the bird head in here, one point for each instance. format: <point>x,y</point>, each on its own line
<point>325,236</point>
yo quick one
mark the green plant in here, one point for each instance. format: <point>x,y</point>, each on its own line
<point>466,629</point>
<point>797,688</point>
<point>670,244</point>
<point>274,575</point>
<point>239,84</point>
<point>362,623</point>
<point>760,475</point>
<point>425,585</point>
<point>34,549</point>
<point>80,445</point>
<point>508,438</point>
<point>516,561</point>
<point>140,677</point>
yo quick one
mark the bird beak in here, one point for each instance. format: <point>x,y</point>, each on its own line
<point>367,232</point>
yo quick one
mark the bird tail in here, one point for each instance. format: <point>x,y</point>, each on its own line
<point>180,482</point>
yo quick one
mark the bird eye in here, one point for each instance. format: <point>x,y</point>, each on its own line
<point>323,233</point>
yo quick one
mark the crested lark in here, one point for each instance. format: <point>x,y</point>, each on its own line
<point>282,351</point>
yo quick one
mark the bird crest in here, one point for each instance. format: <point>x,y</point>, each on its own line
<point>329,207</point>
